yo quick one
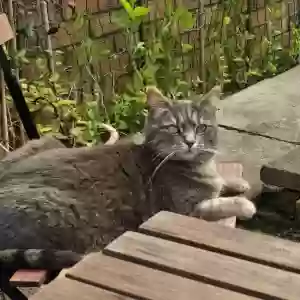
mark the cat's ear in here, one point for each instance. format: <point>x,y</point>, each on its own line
<point>155,98</point>
<point>212,98</point>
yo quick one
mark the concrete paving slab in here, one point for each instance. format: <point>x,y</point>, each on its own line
<point>284,172</point>
<point>270,107</point>
<point>253,152</point>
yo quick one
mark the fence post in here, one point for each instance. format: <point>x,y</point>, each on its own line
<point>45,20</point>
<point>201,26</point>
<point>6,34</point>
<point>13,49</point>
<point>249,4</point>
<point>289,4</point>
<point>3,111</point>
<point>141,31</point>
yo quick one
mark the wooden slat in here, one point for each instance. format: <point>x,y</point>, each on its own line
<point>144,283</point>
<point>255,247</point>
<point>67,289</point>
<point>225,271</point>
<point>6,32</point>
<point>28,278</point>
<point>230,169</point>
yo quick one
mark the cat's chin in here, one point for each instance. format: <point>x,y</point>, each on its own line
<point>192,157</point>
<point>186,156</point>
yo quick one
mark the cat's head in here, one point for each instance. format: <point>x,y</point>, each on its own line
<point>183,130</point>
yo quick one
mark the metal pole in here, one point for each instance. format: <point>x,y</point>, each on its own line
<point>18,98</point>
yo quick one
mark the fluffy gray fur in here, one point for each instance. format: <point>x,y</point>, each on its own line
<point>81,199</point>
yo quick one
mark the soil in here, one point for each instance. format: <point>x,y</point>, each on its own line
<point>272,220</point>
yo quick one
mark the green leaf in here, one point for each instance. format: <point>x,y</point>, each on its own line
<point>66,102</point>
<point>129,9</point>
<point>277,13</point>
<point>141,11</point>
<point>122,125</point>
<point>132,2</point>
<point>41,63</point>
<point>78,22</point>
<point>45,129</point>
<point>186,48</point>
<point>149,73</point>
<point>54,77</point>
<point>255,73</point>
<point>238,59</point>
<point>76,131</point>
<point>98,52</point>
<point>184,18</point>
<point>121,18</point>
<point>226,20</point>
<point>21,53</point>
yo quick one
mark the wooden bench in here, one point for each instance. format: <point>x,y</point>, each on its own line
<point>174,257</point>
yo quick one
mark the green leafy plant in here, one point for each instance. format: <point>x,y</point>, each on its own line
<point>56,111</point>
<point>238,57</point>
<point>73,101</point>
<point>157,60</point>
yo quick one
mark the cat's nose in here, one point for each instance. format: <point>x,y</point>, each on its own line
<point>190,139</point>
<point>190,143</point>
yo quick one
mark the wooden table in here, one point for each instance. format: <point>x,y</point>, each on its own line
<point>174,257</point>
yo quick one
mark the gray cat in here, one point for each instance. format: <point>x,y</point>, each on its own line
<point>78,200</point>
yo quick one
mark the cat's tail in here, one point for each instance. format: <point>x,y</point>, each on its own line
<point>38,259</point>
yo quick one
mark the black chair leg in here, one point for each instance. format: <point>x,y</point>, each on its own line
<point>5,287</point>
<point>12,292</point>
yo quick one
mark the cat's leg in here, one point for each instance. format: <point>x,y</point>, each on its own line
<point>225,207</point>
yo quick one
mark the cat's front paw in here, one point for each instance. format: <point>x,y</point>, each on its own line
<point>245,208</point>
<point>236,186</point>
<point>225,207</point>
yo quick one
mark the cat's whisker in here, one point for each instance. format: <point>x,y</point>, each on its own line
<point>149,142</point>
<point>208,150</point>
<point>213,151</point>
<point>179,147</point>
<point>157,156</point>
<point>159,166</point>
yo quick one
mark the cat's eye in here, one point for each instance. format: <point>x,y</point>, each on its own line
<point>173,129</point>
<point>201,128</point>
